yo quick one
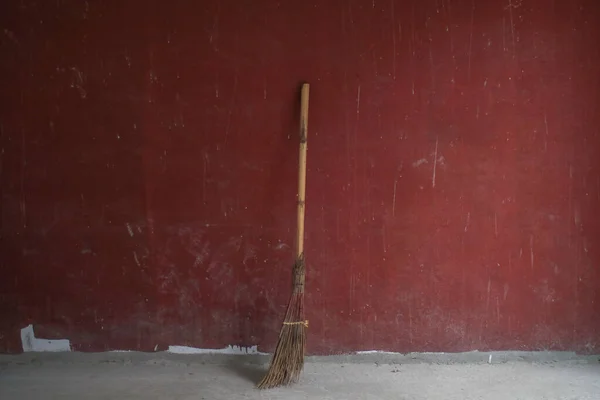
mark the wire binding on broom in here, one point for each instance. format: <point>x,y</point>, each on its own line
<point>305,323</point>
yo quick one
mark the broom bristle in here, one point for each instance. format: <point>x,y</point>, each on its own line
<point>288,360</point>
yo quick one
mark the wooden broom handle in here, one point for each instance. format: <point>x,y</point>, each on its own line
<point>302,169</point>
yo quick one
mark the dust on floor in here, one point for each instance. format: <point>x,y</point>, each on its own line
<point>128,376</point>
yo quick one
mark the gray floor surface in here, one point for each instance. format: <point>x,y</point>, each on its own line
<point>181,377</point>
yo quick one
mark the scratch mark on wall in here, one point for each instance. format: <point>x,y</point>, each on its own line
<point>394,199</point>
<point>231,105</point>
<point>250,253</point>
<point>410,323</point>
<point>576,216</point>
<point>431,62</point>
<point>546,137</point>
<point>79,82</point>
<point>337,225</point>
<point>400,31</point>
<point>23,204</point>
<point>498,309</point>
<point>214,33</point>
<point>471,39</point>
<point>504,34</point>
<point>204,169</point>
<point>468,221</point>
<point>129,229</point>
<point>434,162</point>
<point>358,102</point>
<point>217,85</point>
<point>393,41</point>
<point>512,25</point>
<point>137,261</point>
<point>86,10</point>
<point>531,255</point>
<point>265,88</point>
<point>487,301</point>
<point>496,224</point>
<point>570,199</point>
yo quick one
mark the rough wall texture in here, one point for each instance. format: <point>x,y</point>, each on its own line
<point>148,173</point>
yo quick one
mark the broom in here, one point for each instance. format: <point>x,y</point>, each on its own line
<point>288,359</point>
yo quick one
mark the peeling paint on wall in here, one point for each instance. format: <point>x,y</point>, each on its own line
<point>31,343</point>
<point>237,350</point>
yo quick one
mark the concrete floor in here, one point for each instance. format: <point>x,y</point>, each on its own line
<point>126,376</point>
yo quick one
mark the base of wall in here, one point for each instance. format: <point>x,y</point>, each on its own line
<point>166,358</point>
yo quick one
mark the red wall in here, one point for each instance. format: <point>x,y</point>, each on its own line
<point>148,173</point>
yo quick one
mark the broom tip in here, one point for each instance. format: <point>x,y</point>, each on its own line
<point>278,378</point>
<point>288,360</point>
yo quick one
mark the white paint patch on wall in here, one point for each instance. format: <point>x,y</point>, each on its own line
<point>376,352</point>
<point>238,350</point>
<point>433,353</point>
<point>129,229</point>
<point>31,343</point>
<point>419,162</point>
